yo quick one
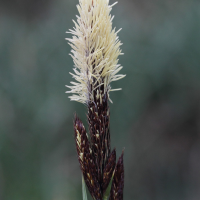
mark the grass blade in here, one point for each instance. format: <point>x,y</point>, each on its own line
<point>107,193</point>
<point>84,189</point>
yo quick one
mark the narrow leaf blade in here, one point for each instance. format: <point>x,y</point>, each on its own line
<point>84,193</point>
<point>107,193</point>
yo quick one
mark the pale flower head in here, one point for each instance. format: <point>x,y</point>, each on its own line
<point>95,51</point>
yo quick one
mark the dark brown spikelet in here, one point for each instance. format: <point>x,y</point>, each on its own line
<point>99,122</point>
<point>86,160</point>
<point>116,192</point>
<point>108,170</point>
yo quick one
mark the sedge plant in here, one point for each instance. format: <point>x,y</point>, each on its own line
<point>95,50</point>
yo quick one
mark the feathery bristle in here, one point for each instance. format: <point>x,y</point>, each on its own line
<point>95,50</point>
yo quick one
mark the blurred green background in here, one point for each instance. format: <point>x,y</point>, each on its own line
<point>156,116</point>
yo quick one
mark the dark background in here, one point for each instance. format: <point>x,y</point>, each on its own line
<point>156,116</point>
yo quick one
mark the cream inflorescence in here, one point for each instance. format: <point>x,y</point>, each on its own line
<point>95,50</point>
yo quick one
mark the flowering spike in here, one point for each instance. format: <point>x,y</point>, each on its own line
<point>95,49</point>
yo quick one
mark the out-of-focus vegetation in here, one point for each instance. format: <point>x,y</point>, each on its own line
<point>156,116</point>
